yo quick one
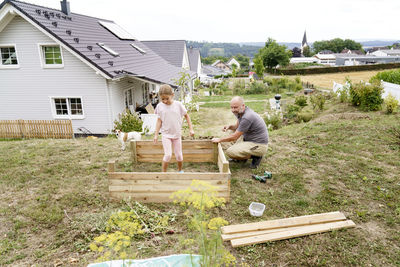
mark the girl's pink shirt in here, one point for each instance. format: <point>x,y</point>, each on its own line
<point>171,118</point>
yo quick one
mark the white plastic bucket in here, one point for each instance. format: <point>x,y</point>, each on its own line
<point>149,122</point>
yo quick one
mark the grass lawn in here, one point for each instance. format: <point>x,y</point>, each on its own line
<point>326,80</point>
<point>53,193</point>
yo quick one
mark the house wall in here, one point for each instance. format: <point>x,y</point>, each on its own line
<point>25,93</point>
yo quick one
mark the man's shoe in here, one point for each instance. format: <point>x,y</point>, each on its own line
<point>238,160</point>
<point>255,162</point>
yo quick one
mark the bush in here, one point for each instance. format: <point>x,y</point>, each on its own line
<point>301,101</point>
<point>343,94</point>
<point>278,85</point>
<point>273,121</point>
<point>391,104</point>
<point>239,87</point>
<point>256,88</point>
<point>390,76</point>
<point>128,122</point>
<point>291,111</point>
<point>367,96</point>
<point>318,101</point>
<point>305,116</point>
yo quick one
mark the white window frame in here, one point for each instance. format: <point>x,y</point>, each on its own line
<point>43,60</point>
<point>17,66</point>
<point>69,116</point>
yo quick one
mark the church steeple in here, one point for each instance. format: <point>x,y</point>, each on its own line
<point>304,42</point>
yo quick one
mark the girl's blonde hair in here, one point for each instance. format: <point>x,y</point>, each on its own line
<point>165,89</point>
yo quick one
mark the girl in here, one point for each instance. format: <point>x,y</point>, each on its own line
<point>170,115</point>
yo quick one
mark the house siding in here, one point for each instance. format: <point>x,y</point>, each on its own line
<point>25,92</point>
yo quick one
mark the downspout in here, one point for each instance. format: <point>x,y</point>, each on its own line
<point>109,108</point>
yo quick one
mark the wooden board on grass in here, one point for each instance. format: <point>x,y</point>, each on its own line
<point>301,231</point>
<point>287,222</point>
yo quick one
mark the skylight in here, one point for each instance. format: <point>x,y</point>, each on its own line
<point>138,49</point>
<point>109,50</point>
<point>117,30</point>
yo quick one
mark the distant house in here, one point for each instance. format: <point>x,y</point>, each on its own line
<point>348,51</point>
<point>326,59</point>
<point>60,65</point>
<point>386,52</point>
<point>233,61</point>
<point>195,60</point>
<point>295,60</point>
<point>354,59</point>
<point>221,65</point>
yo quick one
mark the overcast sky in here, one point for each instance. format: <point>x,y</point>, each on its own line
<point>244,20</point>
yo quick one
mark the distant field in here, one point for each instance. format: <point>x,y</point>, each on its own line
<point>326,80</point>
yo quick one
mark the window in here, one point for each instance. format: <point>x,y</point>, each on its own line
<point>8,56</point>
<point>117,30</point>
<point>51,56</point>
<point>64,107</point>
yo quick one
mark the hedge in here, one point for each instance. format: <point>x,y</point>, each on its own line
<point>334,69</point>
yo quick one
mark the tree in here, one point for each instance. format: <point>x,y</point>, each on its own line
<point>274,54</point>
<point>259,66</point>
<point>336,45</point>
<point>234,67</point>
<point>243,61</point>
<point>307,51</point>
<point>296,52</point>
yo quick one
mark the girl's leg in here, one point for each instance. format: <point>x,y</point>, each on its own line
<point>177,144</point>
<point>167,146</point>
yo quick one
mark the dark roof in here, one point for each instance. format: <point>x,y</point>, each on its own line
<point>194,57</point>
<point>213,71</point>
<point>82,33</point>
<point>170,50</point>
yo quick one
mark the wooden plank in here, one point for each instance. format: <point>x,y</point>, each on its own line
<point>157,188</point>
<point>228,237</point>
<point>302,231</point>
<point>150,197</point>
<point>111,165</point>
<point>186,144</point>
<point>133,151</point>
<point>186,158</point>
<point>184,151</point>
<point>225,164</point>
<point>287,222</point>
<point>157,182</point>
<point>215,152</point>
<point>168,176</point>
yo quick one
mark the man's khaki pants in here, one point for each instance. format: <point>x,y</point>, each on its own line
<point>244,149</point>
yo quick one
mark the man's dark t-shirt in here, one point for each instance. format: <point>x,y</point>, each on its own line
<point>253,127</point>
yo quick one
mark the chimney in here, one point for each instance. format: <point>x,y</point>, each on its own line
<point>65,7</point>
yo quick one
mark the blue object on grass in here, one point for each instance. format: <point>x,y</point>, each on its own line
<point>180,260</point>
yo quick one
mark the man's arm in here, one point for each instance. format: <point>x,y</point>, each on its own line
<point>232,137</point>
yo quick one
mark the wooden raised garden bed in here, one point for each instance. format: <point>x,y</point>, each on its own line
<point>158,186</point>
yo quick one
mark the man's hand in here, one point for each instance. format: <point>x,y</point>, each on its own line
<point>226,128</point>
<point>216,140</point>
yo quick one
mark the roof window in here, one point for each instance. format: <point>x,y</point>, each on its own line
<point>109,50</point>
<point>138,49</point>
<point>117,30</point>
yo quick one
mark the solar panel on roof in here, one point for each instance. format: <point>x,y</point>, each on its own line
<point>117,30</point>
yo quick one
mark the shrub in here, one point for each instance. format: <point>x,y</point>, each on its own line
<point>239,87</point>
<point>291,111</point>
<point>301,101</point>
<point>390,76</point>
<point>367,96</point>
<point>305,116</point>
<point>256,88</point>
<point>343,94</point>
<point>273,121</point>
<point>317,101</point>
<point>391,104</point>
<point>278,85</point>
<point>128,122</point>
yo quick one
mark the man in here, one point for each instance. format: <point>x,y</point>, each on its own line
<point>254,131</point>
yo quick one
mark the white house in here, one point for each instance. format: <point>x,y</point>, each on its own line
<point>233,61</point>
<point>55,64</point>
<point>326,59</point>
<point>386,52</point>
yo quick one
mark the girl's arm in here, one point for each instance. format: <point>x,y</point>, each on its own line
<point>158,127</point>
<point>191,132</point>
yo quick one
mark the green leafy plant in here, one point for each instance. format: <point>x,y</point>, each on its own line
<point>390,76</point>
<point>305,116</point>
<point>301,101</point>
<point>318,101</point>
<point>274,120</point>
<point>367,96</point>
<point>199,199</point>
<point>124,227</point>
<point>391,104</point>
<point>128,122</point>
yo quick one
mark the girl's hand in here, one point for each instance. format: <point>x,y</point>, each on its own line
<point>191,132</point>
<point>155,139</point>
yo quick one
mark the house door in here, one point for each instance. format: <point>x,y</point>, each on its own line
<point>129,103</point>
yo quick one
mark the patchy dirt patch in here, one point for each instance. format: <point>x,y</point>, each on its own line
<point>341,116</point>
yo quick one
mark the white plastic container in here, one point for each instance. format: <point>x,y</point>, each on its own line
<point>256,209</point>
<point>149,122</point>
